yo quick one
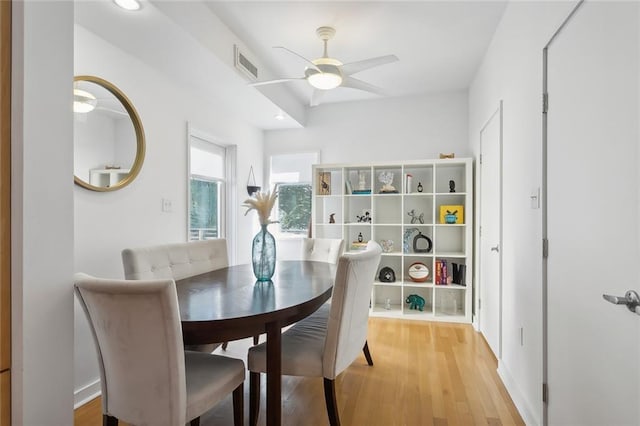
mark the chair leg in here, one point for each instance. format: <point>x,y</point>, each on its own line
<point>195,422</point>
<point>224,346</point>
<point>256,339</point>
<point>238,405</point>
<point>254,398</point>
<point>108,420</point>
<point>367,354</point>
<point>330,399</point>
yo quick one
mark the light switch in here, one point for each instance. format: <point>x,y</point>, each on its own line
<point>166,205</point>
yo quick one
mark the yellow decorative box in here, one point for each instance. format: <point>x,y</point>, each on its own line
<point>452,214</point>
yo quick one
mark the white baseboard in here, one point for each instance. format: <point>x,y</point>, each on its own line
<point>86,393</point>
<point>514,392</point>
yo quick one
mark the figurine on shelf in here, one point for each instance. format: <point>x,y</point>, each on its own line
<point>452,186</point>
<point>414,218</point>
<point>359,237</point>
<point>405,238</point>
<point>365,218</point>
<point>419,187</point>
<point>415,302</point>
<point>332,218</point>
<point>386,178</point>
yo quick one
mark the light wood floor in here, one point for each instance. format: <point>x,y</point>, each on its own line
<point>424,373</point>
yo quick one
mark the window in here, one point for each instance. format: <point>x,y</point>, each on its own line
<point>291,175</point>
<point>211,166</point>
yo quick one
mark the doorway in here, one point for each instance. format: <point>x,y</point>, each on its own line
<point>490,255</point>
<point>591,216</point>
<point>5,213</point>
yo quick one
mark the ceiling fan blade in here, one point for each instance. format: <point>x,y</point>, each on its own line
<point>308,61</point>
<point>280,80</point>
<point>354,67</point>
<point>112,111</point>
<point>316,96</point>
<point>354,83</point>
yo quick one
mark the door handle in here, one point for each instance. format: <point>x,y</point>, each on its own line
<point>631,299</point>
<point>496,248</point>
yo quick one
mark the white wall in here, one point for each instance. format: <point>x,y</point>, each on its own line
<point>512,71</point>
<point>95,142</point>
<point>379,130</point>
<point>106,223</point>
<point>42,214</point>
<point>376,130</point>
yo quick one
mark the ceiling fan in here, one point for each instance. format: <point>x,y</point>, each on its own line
<point>327,73</point>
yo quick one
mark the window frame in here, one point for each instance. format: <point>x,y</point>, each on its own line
<point>227,197</point>
<point>279,234</point>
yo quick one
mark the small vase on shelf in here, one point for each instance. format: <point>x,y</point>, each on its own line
<point>263,254</point>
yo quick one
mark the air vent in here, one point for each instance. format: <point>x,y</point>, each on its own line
<point>243,64</point>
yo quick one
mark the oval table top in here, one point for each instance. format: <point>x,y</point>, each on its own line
<point>228,303</point>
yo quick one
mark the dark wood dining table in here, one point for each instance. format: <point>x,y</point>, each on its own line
<point>229,304</point>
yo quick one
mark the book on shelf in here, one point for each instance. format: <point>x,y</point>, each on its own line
<point>361,191</point>
<point>358,245</point>
<point>459,273</point>
<point>440,272</point>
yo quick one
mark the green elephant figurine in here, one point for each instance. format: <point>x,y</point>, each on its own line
<point>415,302</point>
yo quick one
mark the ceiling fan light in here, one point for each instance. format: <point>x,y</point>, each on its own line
<point>128,4</point>
<point>325,80</point>
<point>83,101</point>
<point>327,61</point>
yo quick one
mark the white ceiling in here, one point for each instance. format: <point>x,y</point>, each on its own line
<point>440,45</point>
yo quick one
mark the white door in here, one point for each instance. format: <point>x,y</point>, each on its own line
<point>490,303</point>
<point>593,353</point>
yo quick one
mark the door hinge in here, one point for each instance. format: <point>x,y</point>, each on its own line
<point>545,248</point>
<point>479,304</point>
<point>545,102</point>
<point>480,158</point>
<point>545,393</point>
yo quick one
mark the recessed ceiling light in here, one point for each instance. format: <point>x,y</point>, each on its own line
<point>279,116</point>
<point>128,4</point>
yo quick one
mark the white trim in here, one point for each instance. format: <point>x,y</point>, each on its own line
<point>228,220</point>
<point>516,396</point>
<point>86,393</point>
<point>232,201</point>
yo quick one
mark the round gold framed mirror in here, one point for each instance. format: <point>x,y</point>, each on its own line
<point>109,143</point>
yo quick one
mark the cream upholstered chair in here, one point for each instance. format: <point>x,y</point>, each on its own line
<point>319,250</point>
<point>177,261</point>
<point>325,345</point>
<point>146,376</point>
<point>322,249</point>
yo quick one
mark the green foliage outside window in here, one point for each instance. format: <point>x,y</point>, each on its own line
<point>294,207</point>
<point>204,209</point>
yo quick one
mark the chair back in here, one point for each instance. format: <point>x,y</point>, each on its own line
<point>177,261</point>
<point>349,314</point>
<point>138,338</point>
<point>322,249</point>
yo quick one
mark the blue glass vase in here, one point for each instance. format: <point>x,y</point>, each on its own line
<point>263,254</point>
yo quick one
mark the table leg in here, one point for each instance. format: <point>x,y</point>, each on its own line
<point>274,374</point>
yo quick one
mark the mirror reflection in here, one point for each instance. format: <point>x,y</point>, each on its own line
<point>108,136</point>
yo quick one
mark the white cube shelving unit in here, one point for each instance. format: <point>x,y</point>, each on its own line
<point>349,192</point>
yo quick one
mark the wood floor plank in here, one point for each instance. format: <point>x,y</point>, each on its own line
<point>424,373</point>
